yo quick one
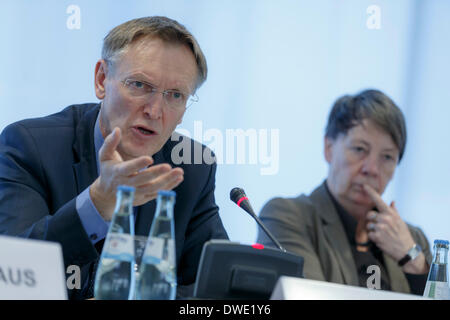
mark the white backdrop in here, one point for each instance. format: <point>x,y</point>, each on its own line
<point>275,67</point>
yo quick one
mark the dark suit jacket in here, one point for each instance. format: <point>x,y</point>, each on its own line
<point>46,162</point>
<point>310,227</point>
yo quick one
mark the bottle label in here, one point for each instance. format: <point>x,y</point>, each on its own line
<point>437,290</point>
<point>155,253</point>
<point>119,246</point>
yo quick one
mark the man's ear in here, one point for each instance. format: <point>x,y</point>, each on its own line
<point>328,149</point>
<point>99,78</point>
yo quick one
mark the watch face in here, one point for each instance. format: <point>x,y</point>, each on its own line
<point>415,251</point>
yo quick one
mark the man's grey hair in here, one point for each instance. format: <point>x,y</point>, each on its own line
<point>118,40</point>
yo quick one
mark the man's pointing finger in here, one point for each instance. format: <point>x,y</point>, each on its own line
<point>110,145</point>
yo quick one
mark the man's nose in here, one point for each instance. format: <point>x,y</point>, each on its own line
<point>154,106</point>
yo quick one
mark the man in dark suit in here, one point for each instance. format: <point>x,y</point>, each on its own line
<point>58,174</point>
<point>344,230</point>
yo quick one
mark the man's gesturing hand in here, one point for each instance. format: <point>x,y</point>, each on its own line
<point>114,171</point>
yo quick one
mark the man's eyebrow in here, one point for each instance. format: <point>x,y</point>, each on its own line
<point>139,76</point>
<point>142,77</point>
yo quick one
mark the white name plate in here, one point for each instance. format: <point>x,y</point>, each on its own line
<point>290,288</point>
<point>31,270</point>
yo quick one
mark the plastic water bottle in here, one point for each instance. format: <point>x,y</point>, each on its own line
<point>157,272</point>
<point>115,273</point>
<point>437,286</point>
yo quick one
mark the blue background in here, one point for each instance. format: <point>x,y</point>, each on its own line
<point>272,65</point>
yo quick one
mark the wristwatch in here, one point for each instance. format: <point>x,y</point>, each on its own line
<point>411,255</point>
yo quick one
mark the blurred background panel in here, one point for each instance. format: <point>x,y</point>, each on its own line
<point>275,69</point>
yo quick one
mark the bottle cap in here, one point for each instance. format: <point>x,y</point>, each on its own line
<point>126,188</point>
<point>441,243</point>
<point>167,193</point>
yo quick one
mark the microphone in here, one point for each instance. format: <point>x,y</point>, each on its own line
<point>238,196</point>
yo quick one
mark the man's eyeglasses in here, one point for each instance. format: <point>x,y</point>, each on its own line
<point>173,98</point>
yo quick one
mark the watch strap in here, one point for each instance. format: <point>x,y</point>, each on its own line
<point>412,254</point>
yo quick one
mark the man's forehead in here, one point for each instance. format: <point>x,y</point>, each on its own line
<point>155,58</point>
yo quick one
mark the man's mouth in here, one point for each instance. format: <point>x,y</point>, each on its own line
<point>145,131</point>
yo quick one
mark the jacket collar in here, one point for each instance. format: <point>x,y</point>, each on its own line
<point>335,234</point>
<point>85,167</point>
<point>322,200</point>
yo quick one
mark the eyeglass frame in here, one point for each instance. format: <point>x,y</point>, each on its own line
<point>191,98</point>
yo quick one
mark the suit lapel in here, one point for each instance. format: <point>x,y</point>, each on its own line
<point>335,234</point>
<point>85,169</point>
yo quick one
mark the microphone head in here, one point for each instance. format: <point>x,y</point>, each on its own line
<point>236,194</point>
